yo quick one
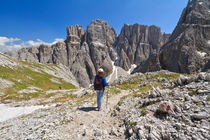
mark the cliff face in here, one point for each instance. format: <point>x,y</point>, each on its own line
<point>137,42</point>
<point>188,49</point>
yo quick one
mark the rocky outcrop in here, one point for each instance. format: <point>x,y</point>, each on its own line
<point>173,110</point>
<point>188,48</point>
<point>137,42</point>
<point>90,50</point>
<point>150,65</point>
<point>29,54</point>
<point>100,38</point>
<point>83,51</point>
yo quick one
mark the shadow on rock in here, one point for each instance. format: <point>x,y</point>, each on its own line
<point>161,115</point>
<point>87,109</point>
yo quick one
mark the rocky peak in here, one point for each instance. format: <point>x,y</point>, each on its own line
<point>75,36</point>
<point>196,13</point>
<point>188,48</point>
<point>100,32</point>
<point>136,42</point>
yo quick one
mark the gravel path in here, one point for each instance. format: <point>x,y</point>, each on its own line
<point>92,124</point>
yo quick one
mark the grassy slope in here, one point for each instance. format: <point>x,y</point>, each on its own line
<point>134,82</point>
<point>24,77</point>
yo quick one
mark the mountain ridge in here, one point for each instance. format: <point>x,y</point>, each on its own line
<point>85,51</point>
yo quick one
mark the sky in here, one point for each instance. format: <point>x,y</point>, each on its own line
<point>32,22</point>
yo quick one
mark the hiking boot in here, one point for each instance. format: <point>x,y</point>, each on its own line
<point>98,109</point>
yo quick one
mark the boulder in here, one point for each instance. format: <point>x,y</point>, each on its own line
<point>199,116</point>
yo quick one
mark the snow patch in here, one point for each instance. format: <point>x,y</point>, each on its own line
<point>97,43</point>
<point>208,42</point>
<point>112,74</point>
<point>8,112</point>
<point>133,66</point>
<point>201,53</point>
<point>144,44</point>
<point>117,61</point>
<point>200,3</point>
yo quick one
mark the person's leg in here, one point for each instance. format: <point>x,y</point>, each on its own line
<point>98,98</point>
<point>101,94</point>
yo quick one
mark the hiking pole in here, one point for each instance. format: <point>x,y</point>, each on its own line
<point>107,96</point>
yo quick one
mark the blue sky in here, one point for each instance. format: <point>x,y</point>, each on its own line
<point>46,20</point>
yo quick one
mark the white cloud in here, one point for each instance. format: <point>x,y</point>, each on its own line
<point>4,40</point>
<point>35,43</point>
<point>57,40</point>
<point>13,44</point>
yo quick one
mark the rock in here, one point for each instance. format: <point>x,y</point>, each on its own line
<point>189,41</point>
<point>140,134</point>
<point>113,131</point>
<point>130,132</point>
<point>57,105</point>
<point>182,80</point>
<point>207,78</point>
<point>149,65</point>
<point>187,98</point>
<point>186,107</point>
<point>178,126</point>
<point>98,132</point>
<point>177,109</point>
<point>84,133</point>
<point>151,137</point>
<point>203,91</point>
<point>199,116</point>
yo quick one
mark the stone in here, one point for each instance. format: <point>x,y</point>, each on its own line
<point>151,137</point>
<point>98,132</point>
<point>187,98</point>
<point>202,76</point>
<point>178,126</point>
<point>113,131</point>
<point>199,116</point>
<point>207,78</point>
<point>130,132</point>
<point>203,91</point>
<point>186,107</point>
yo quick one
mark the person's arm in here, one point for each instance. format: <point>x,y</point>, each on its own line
<point>105,83</point>
<point>94,82</point>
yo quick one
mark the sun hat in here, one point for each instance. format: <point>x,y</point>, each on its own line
<point>100,70</point>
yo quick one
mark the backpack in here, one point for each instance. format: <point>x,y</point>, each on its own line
<point>98,83</point>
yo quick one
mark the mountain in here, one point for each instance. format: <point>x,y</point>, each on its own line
<point>83,51</point>
<point>137,42</point>
<point>86,51</point>
<point>142,47</point>
<point>188,48</point>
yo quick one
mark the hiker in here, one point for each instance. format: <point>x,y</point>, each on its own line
<point>99,86</point>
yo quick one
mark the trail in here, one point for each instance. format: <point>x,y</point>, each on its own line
<point>90,124</point>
